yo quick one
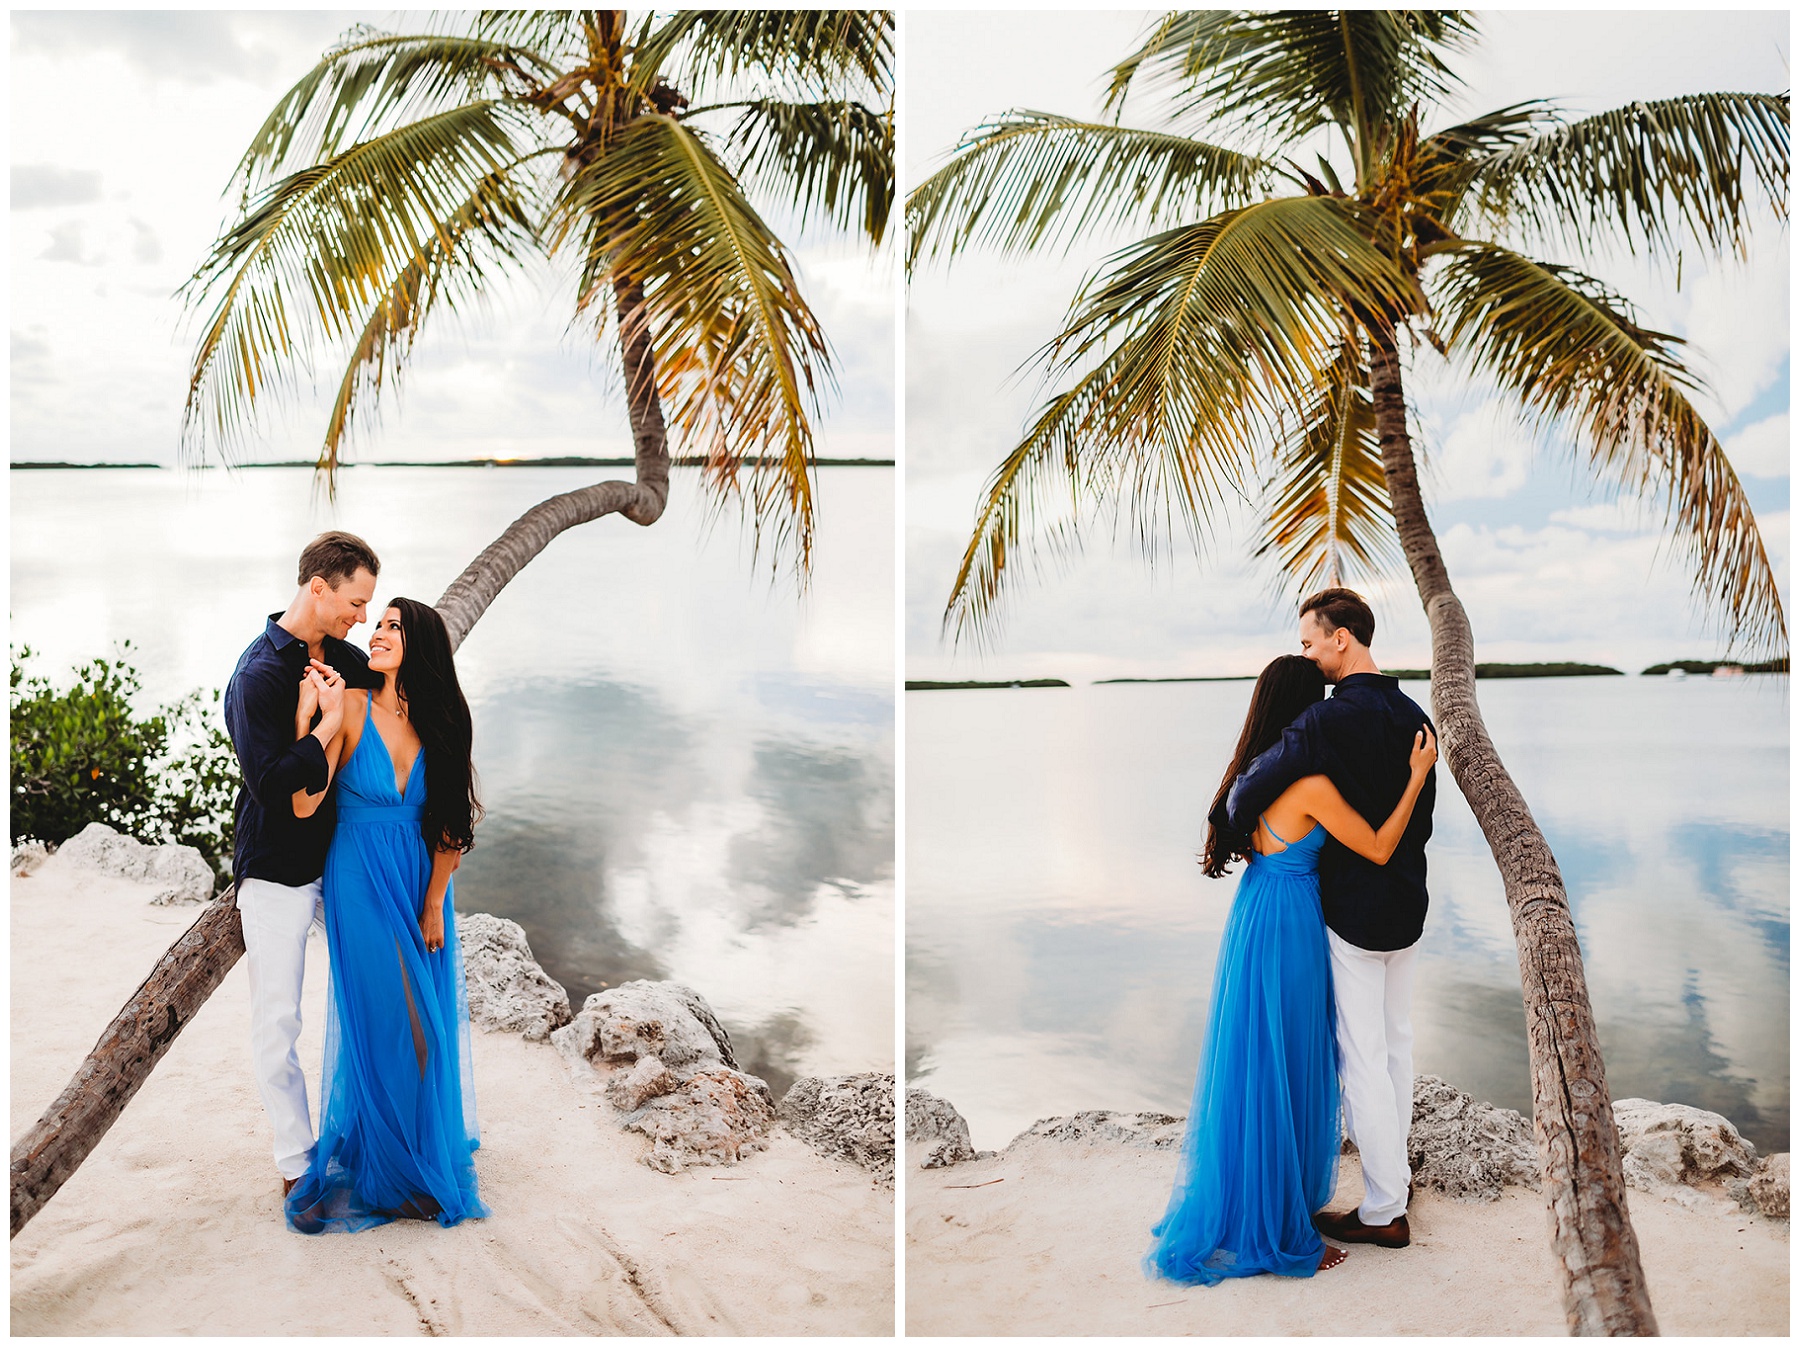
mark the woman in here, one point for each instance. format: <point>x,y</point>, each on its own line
<point>397,1123</point>
<point>1261,1150</point>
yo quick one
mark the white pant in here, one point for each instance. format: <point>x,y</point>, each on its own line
<point>277,919</point>
<point>1373,992</point>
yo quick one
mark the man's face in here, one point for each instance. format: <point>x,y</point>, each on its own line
<point>1326,651</point>
<point>342,608</point>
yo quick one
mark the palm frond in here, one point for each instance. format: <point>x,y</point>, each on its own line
<point>1328,519</point>
<point>488,236</point>
<point>1280,74</point>
<point>1198,337</point>
<point>315,252</point>
<point>738,351</point>
<point>1026,180</point>
<point>807,54</point>
<point>1575,356</point>
<point>369,82</point>
<point>835,157</point>
<point>1645,172</point>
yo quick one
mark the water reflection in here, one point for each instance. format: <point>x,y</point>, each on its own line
<point>1061,941</point>
<point>688,773</point>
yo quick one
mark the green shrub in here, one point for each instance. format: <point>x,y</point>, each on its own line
<point>82,755</point>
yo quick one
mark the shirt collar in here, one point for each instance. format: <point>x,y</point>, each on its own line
<point>1374,679</point>
<point>279,636</point>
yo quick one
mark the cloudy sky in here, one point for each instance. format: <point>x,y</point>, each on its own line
<point>1548,568</point>
<point>125,128</point>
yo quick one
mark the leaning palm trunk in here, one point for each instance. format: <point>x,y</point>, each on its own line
<point>1578,1145</point>
<point>641,501</point>
<point>194,966</point>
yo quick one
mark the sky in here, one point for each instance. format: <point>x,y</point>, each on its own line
<point>117,199</point>
<point>1548,567</point>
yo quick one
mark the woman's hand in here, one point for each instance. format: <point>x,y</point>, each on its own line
<point>431,927</point>
<point>1424,752</point>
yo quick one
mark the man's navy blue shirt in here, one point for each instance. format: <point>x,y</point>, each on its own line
<point>1361,737</point>
<point>260,702</point>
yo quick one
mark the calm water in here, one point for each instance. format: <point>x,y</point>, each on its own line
<point>688,772</point>
<point>1061,939</point>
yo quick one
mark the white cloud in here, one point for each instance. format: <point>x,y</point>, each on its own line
<point>1484,454</point>
<point>1761,448</point>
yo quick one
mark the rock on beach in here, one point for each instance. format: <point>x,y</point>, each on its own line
<point>656,1052</point>
<point>177,873</point>
<point>846,1117</point>
<point>508,989</point>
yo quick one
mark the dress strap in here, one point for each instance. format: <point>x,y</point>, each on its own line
<point>1264,818</point>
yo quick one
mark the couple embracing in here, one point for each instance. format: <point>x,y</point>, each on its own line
<point>1329,802</point>
<point>356,807</point>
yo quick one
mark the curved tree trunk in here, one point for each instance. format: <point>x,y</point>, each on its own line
<point>641,501</point>
<point>197,963</point>
<point>1578,1145</point>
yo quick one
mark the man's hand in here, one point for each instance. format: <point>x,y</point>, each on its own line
<point>330,685</point>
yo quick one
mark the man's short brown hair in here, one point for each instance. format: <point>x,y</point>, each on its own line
<point>1342,608</point>
<point>336,556</point>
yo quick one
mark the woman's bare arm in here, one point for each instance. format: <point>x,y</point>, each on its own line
<point>1321,799</point>
<point>305,805</point>
<point>431,920</point>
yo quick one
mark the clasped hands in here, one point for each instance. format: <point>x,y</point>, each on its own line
<point>321,692</point>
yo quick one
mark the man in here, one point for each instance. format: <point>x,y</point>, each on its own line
<point>278,860</point>
<point>1360,737</point>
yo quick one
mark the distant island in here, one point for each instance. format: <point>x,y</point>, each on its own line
<point>927,685</point>
<point>1707,666</point>
<point>684,461</point>
<point>1195,678</point>
<point>1564,670</point>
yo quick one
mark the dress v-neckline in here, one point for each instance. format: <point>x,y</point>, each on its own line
<point>370,723</point>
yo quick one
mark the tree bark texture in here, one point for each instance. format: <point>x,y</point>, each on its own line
<point>1578,1144</point>
<point>197,963</point>
<point>641,502</point>
<point>121,1061</point>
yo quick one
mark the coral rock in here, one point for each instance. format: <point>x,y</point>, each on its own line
<point>1769,1186</point>
<point>1668,1148</point>
<point>711,1118</point>
<point>27,856</point>
<point>507,988</point>
<point>847,1116</point>
<point>1464,1148</point>
<point>657,1019</point>
<point>659,1055</point>
<point>929,1118</point>
<point>1142,1131</point>
<point>648,1078</point>
<point>180,874</point>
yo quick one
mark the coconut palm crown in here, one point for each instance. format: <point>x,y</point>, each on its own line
<point>1231,353</point>
<point>409,173</point>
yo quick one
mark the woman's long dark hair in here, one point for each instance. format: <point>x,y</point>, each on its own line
<point>426,682</point>
<point>1287,687</point>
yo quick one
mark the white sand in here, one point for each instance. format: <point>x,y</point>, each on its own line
<point>1055,1247</point>
<point>173,1225</point>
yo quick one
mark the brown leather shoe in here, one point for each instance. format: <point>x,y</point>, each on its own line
<point>1347,1228</point>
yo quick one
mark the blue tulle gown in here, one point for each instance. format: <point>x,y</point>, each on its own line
<point>397,1130</point>
<point>1261,1150</point>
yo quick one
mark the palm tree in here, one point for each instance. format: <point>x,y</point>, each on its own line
<point>1253,346</point>
<point>409,173</point>
<point>405,174</point>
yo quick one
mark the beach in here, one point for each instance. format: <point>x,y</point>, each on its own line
<point>173,1225</point>
<point>1046,1237</point>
